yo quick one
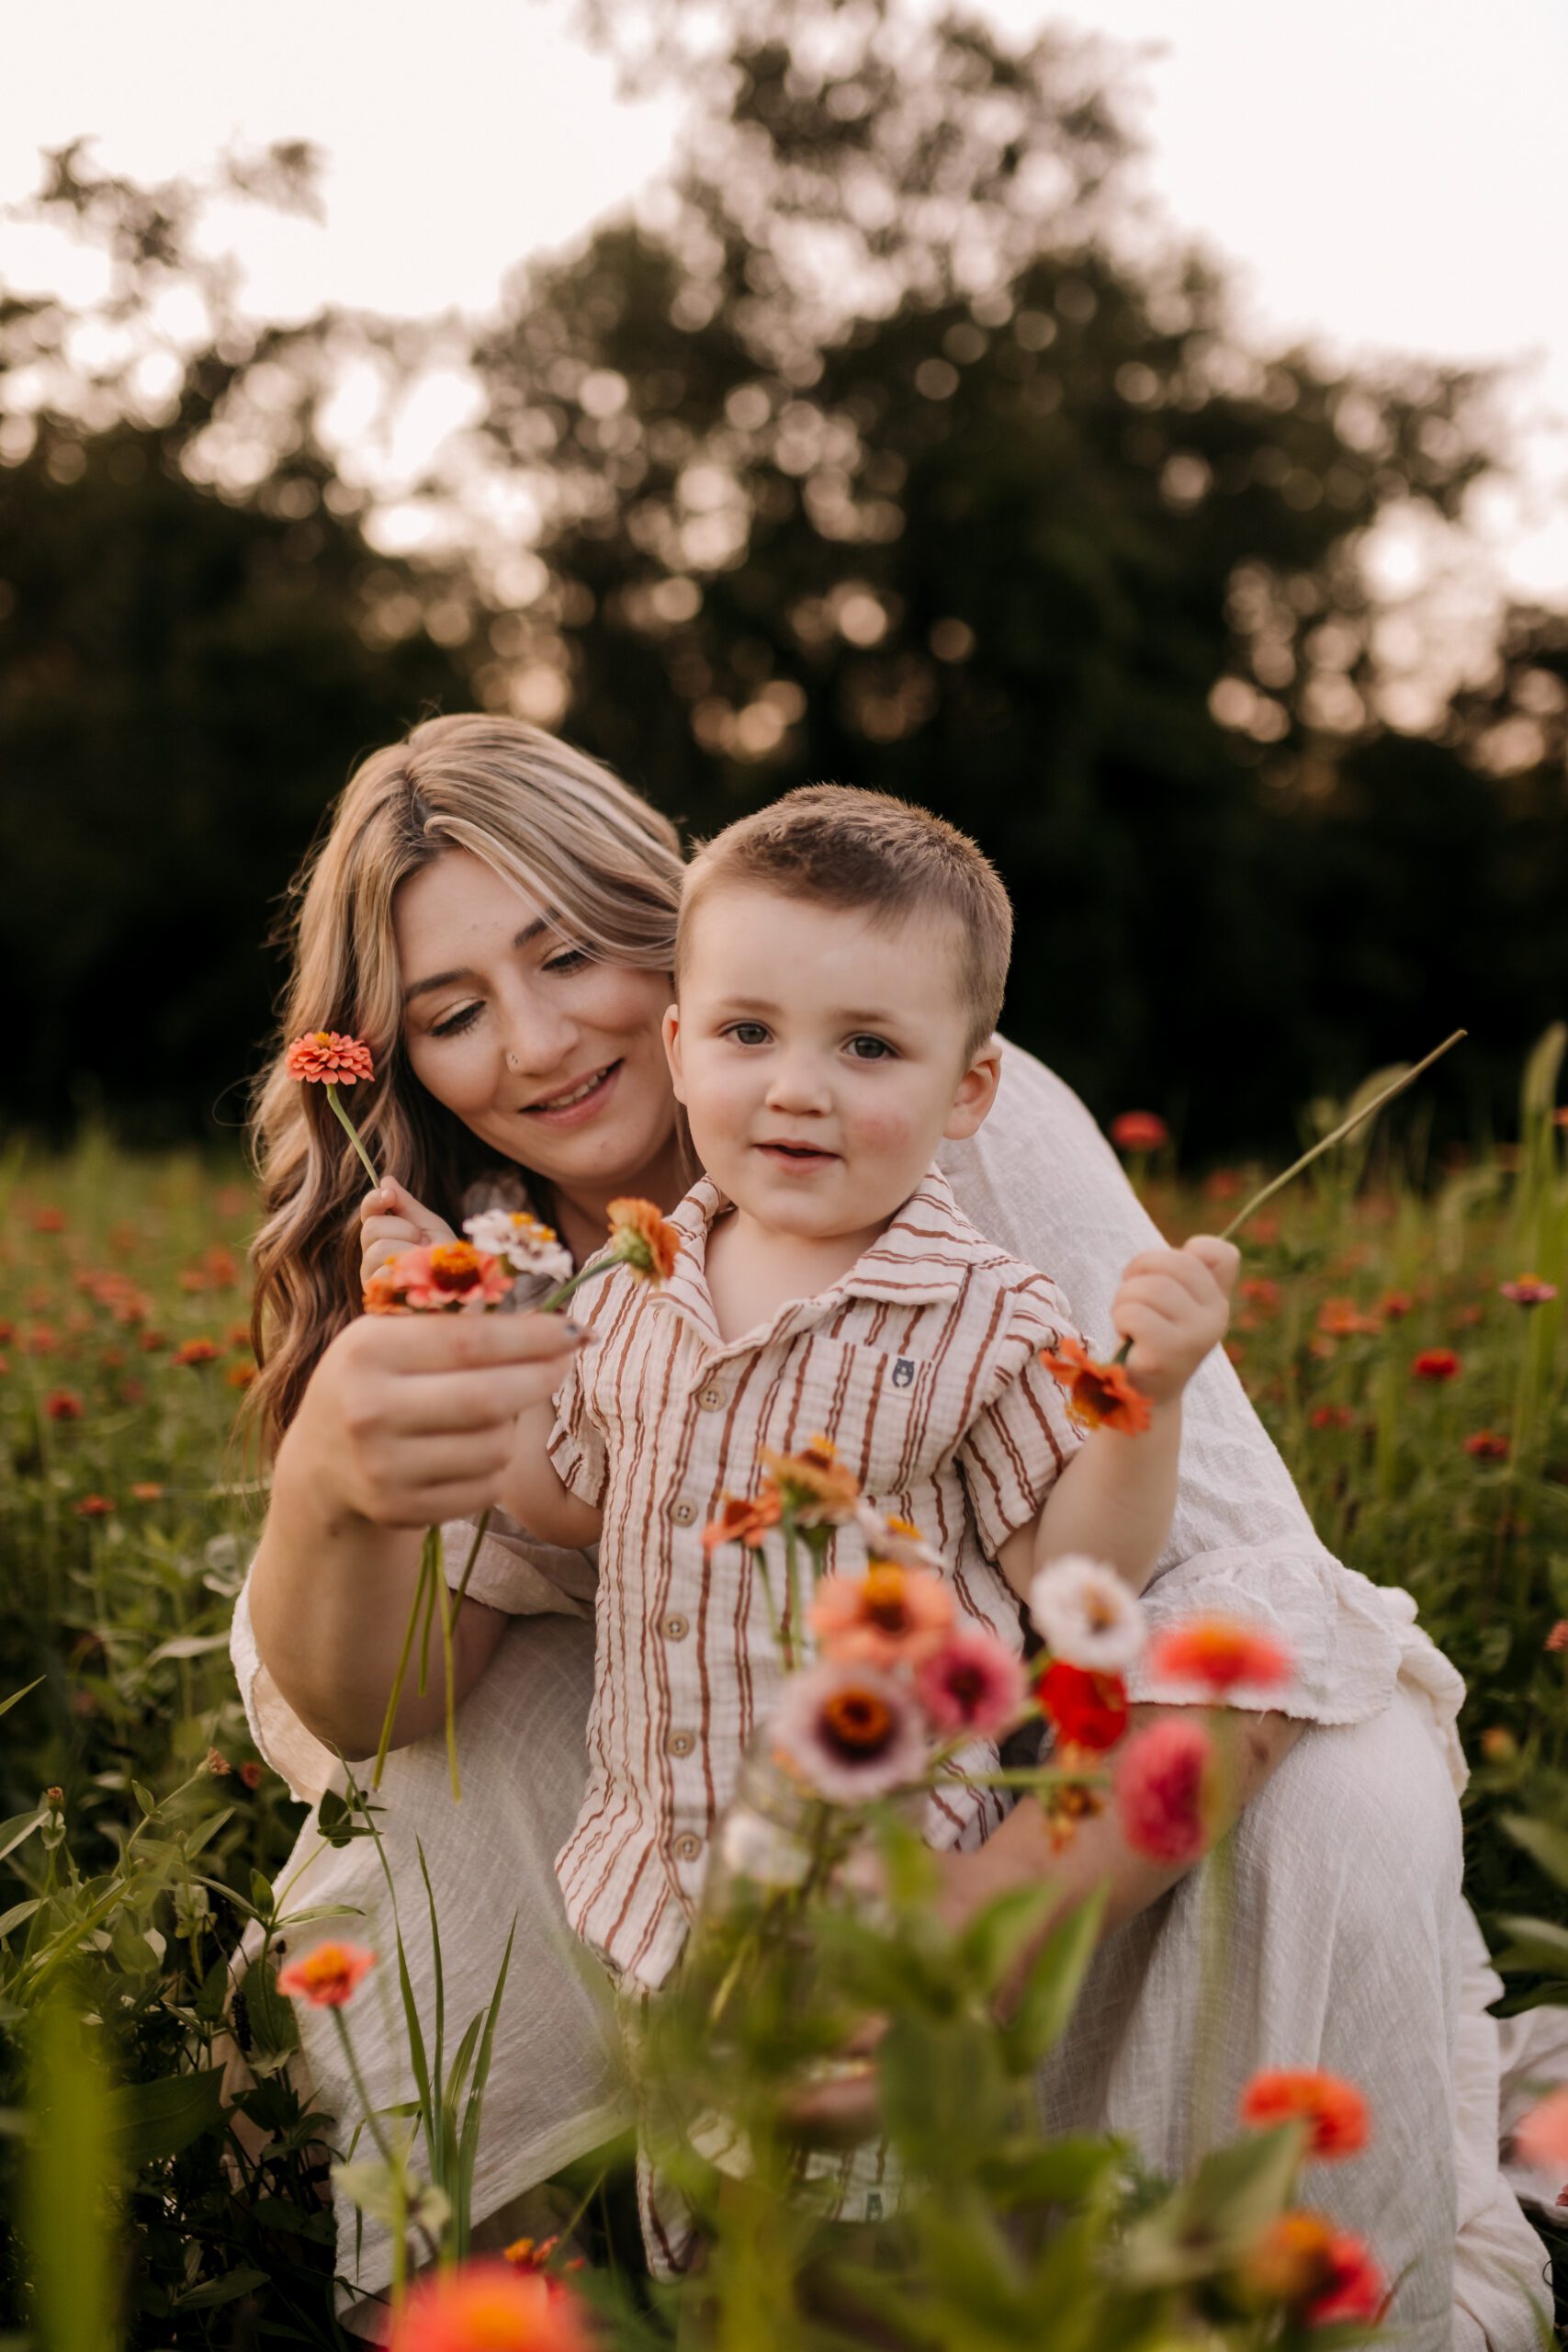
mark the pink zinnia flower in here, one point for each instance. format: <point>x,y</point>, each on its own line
<point>1542,2138</point>
<point>325,1057</point>
<point>328,1976</point>
<point>972,1684</point>
<point>489,2306</point>
<point>1218,1652</point>
<point>850,1732</point>
<point>436,1279</point>
<point>1163,1781</point>
<point>1529,1289</point>
<point>888,1616</point>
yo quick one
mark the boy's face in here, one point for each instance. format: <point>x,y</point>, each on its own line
<point>821,1057</point>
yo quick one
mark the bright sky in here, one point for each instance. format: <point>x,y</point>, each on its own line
<point>1387,174</point>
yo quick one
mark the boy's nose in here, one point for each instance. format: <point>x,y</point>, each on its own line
<point>798,1084</point>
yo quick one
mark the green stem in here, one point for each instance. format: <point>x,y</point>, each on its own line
<point>563,1291</point>
<point>340,1115</point>
<point>448,1684</point>
<point>385,1741</point>
<point>395,2164</point>
<point>473,1556</point>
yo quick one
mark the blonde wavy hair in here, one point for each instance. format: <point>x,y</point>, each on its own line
<point>542,815</point>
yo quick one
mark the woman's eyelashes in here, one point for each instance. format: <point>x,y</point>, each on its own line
<point>568,959</point>
<point>454,1025</point>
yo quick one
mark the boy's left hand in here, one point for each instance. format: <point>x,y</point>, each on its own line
<point>1174,1305</point>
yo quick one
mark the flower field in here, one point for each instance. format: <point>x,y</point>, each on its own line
<point>1399,1326</point>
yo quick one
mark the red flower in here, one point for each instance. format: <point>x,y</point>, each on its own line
<point>153,1342</point>
<point>62,1405</point>
<point>252,1773</point>
<point>48,1220</point>
<point>1332,1417</point>
<point>323,1057</point>
<point>1223,1185</point>
<point>194,1351</point>
<point>1558,1638</point>
<point>1356,2289</point>
<point>1260,1292</point>
<point>328,1976</point>
<point>1333,2108</point>
<point>1219,1652</point>
<point>1164,1780</point>
<point>1098,1395</point>
<point>1487,1445</point>
<point>1435,1363</point>
<point>1321,2274</point>
<point>489,2306</point>
<point>1394,1306</point>
<point>1529,1289</point>
<point>1139,1131</point>
<point>1086,1710</point>
<point>94,1507</point>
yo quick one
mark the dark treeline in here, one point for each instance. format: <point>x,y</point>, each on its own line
<point>866,454</point>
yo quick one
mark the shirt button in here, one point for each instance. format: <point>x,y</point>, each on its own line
<point>710,1399</point>
<point>687,1848</point>
<point>683,1513</point>
<point>680,1743</point>
<point>674,1629</point>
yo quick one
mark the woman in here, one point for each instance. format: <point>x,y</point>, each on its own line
<point>494,914</point>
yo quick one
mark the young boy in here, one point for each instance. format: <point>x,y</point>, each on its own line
<point>840,968</point>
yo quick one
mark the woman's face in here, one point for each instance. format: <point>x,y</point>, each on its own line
<point>553,1060</point>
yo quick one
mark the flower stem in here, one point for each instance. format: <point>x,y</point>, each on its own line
<point>397,1679</point>
<point>563,1291</point>
<point>340,1115</point>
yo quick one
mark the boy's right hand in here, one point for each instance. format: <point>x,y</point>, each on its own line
<point>391,1220</point>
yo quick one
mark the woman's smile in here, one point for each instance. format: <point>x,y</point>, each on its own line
<point>583,1099</point>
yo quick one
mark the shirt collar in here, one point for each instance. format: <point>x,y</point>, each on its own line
<point>921,1259</point>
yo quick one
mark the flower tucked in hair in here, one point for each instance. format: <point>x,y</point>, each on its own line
<point>1218,1652</point>
<point>328,1976</point>
<point>1333,2108</point>
<point>971,1684</point>
<point>325,1058</point>
<point>887,1616</point>
<point>1084,1612</point>
<point>1099,1395</point>
<point>1085,1710</point>
<point>437,1278</point>
<point>850,1732</point>
<point>490,2306</point>
<point>521,1242</point>
<point>1164,1781</point>
<point>741,1522</point>
<point>643,1240</point>
<point>813,1484</point>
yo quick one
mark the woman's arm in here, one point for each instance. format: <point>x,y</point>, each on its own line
<point>407,1423</point>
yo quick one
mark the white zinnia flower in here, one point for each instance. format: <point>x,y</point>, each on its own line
<point>525,1245</point>
<point>1084,1614</point>
<point>893,1539</point>
<point>849,1731</point>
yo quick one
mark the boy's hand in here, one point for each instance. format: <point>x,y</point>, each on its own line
<point>1174,1305</point>
<point>390,1221</point>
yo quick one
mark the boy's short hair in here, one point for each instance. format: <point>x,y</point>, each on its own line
<point>836,845</point>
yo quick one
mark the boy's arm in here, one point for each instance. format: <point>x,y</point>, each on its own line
<point>1116,1498</point>
<point>534,1491</point>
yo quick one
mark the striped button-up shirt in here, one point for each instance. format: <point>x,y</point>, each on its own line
<point>921,1366</point>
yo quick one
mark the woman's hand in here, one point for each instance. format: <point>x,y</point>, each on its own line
<point>1174,1305</point>
<point>391,1220</point>
<point>409,1420</point>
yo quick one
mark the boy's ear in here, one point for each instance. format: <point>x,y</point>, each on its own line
<point>977,1091</point>
<point>670,1030</point>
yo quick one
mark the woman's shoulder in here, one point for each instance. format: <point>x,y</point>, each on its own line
<point>1039,1144</point>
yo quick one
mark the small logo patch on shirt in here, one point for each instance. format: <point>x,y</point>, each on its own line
<point>903,1371</point>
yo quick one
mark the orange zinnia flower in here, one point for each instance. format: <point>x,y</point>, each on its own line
<point>328,1976</point>
<point>1341,1319</point>
<point>1322,2274</point>
<point>643,1240</point>
<point>1218,1652</point>
<point>437,1279</point>
<point>146,1490</point>
<point>813,1485</point>
<point>323,1057</point>
<point>62,1405</point>
<point>94,1507</point>
<point>489,2306</point>
<point>741,1522</point>
<point>1099,1395</point>
<point>194,1352</point>
<point>1557,1639</point>
<point>888,1616</point>
<point>1333,2108</point>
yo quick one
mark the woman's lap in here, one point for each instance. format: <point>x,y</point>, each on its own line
<point>1343,1950</point>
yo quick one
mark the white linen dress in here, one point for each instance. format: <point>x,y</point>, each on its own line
<point>1350,1948</point>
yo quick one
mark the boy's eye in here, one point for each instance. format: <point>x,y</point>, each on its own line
<point>870,1049</point>
<point>747,1033</point>
<point>457,1024</point>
